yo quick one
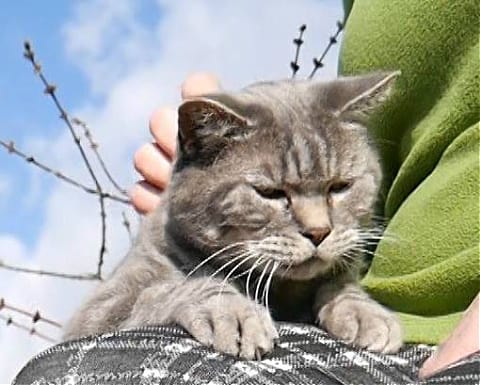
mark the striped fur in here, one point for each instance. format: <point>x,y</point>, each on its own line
<point>266,216</point>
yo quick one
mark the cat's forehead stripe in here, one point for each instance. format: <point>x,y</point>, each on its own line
<point>305,158</point>
<point>320,148</point>
<point>331,156</point>
<point>292,163</point>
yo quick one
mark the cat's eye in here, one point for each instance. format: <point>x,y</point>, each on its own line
<point>338,186</point>
<point>271,193</point>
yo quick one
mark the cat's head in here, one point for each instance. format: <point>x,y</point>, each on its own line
<point>280,173</point>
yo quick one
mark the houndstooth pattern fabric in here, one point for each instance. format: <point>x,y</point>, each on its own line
<point>305,355</point>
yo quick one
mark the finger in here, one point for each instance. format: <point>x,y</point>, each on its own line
<point>462,342</point>
<point>153,165</point>
<point>145,197</point>
<point>199,83</point>
<point>163,127</point>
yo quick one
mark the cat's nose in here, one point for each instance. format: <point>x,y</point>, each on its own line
<point>317,234</point>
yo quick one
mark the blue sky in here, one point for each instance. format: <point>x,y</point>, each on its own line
<point>26,112</point>
<point>114,62</point>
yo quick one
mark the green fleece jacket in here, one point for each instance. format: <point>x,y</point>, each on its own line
<point>427,268</point>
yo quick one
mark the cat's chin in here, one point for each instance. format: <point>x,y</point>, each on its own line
<point>306,270</point>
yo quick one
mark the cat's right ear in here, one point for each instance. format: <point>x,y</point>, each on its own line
<point>356,98</point>
<point>207,123</point>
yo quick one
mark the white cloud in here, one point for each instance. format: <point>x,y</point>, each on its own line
<point>133,68</point>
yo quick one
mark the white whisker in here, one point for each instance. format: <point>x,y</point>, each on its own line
<point>259,283</point>
<point>247,256</point>
<point>250,271</point>
<point>217,253</point>
<point>228,263</point>
<point>269,282</point>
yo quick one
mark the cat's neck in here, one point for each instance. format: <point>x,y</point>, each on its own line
<point>292,300</point>
<point>181,250</point>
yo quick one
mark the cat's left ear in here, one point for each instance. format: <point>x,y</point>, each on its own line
<point>356,98</point>
<point>206,123</point>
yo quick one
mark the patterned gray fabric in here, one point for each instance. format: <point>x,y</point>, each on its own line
<point>305,355</point>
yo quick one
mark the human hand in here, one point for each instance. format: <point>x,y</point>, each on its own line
<point>463,341</point>
<point>154,160</point>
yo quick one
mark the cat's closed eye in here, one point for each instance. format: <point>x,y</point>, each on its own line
<point>338,186</point>
<point>271,192</point>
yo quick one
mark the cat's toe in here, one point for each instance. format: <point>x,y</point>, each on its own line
<point>201,329</point>
<point>226,337</point>
<point>343,326</point>
<point>243,328</point>
<point>395,335</point>
<point>373,334</point>
<point>236,326</point>
<point>380,334</point>
<point>363,323</point>
<point>258,337</point>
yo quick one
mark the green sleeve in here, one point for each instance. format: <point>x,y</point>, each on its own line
<point>427,267</point>
<point>347,7</point>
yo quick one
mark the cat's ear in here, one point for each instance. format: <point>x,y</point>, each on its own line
<point>356,98</point>
<point>206,123</point>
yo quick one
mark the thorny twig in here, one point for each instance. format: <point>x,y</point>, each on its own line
<point>102,195</point>
<point>126,223</point>
<point>21,269</point>
<point>298,43</point>
<point>50,90</point>
<point>11,148</point>
<point>318,61</point>
<point>35,317</point>
<point>10,322</point>
<point>94,146</point>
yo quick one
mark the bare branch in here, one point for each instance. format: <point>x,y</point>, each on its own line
<point>94,146</point>
<point>20,269</point>
<point>103,247</point>
<point>298,43</point>
<point>10,322</point>
<point>50,90</point>
<point>11,148</point>
<point>126,223</point>
<point>36,316</point>
<point>318,62</point>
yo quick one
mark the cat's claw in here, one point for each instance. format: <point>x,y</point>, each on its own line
<point>233,325</point>
<point>362,322</point>
<point>215,315</point>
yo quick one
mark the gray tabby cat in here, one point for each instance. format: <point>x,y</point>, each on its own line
<point>270,202</point>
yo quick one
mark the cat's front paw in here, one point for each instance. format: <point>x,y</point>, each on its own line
<point>232,324</point>
<point>362,322</point>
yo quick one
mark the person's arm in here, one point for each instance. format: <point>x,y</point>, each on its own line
<point>461,343</point>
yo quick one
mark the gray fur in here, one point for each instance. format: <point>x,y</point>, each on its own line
<point>269,204</point>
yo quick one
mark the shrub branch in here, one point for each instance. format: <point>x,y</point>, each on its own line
<point>318,61</point>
